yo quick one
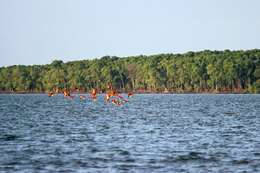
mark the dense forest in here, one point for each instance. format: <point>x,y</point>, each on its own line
<point>205,71</point>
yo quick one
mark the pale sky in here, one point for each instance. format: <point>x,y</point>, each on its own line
<point>39,31</point>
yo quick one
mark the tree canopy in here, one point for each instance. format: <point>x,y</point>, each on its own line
<point>204,71</point>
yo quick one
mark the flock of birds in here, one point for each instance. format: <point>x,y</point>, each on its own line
<point>111,96</point>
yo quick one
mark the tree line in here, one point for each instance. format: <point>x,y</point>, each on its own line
<point>205,71</point>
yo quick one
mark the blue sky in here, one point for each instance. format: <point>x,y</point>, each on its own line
<point>37,32</point>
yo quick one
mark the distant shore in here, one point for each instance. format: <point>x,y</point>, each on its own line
<point>135,93</point>
<point>192,72</point>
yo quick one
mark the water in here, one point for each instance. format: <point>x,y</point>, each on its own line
<point>151,133</point>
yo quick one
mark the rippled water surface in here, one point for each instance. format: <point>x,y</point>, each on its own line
<point>151,133</point>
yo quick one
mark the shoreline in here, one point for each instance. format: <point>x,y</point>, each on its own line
<point>165,93</point>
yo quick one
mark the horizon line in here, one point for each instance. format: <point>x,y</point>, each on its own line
<point>136,55</point>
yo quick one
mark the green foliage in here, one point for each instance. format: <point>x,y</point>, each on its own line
<point>205,71</point>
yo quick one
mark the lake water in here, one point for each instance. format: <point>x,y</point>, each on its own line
<point>151,133</point>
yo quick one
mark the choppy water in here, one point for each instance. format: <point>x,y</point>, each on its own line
<point>151,133</point>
